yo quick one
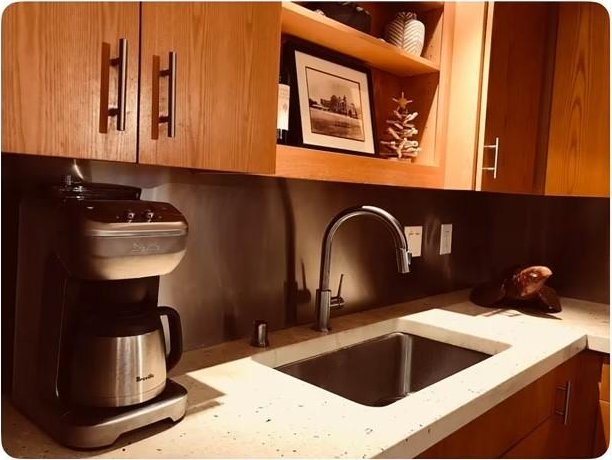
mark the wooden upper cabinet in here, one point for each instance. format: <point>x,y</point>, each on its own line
<point>520,70</point>
<point>546,100</point>
<point>579,143</point>
<point>226,76</point>
<point>55,82</point>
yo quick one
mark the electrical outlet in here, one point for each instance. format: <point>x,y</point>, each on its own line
<point>414,235</point>
<point>446,238</point>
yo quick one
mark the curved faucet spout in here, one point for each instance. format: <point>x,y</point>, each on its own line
<point>324,298</point>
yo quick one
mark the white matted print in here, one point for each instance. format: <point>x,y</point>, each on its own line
<point>334,105</point>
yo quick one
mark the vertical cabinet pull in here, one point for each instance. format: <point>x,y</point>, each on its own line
<point>120,62</point>
<point>158,74</point>
<point>496,148</point>
<point>566,402</point>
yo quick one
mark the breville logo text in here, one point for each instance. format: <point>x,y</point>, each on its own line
<point>140,248</point>
<point>142,379</point>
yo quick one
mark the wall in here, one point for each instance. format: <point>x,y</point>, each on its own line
<point>254,244</point>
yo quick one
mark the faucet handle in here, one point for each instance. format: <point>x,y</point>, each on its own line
<point>337,301</point>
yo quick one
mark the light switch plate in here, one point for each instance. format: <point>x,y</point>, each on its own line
<point>414,235</point>
<point>446,238</point>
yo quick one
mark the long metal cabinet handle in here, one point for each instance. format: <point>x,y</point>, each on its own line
<point>120,62</point>
<point>170,72</point>
<point>494,167</point>
<point>568,393</point>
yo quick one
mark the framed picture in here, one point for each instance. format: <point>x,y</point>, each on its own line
<point>331,101</point>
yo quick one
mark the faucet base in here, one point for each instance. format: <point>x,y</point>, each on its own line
<point>322,311</point>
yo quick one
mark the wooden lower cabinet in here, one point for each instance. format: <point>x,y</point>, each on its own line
<point>533,422</point>
<point>602,428</point>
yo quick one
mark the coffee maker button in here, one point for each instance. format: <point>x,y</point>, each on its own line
<point>129,215</point>
<point>149,215</point>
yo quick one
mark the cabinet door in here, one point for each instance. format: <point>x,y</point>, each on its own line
<point>602,423</point>
<point>532,422</point>
<point>58,81</point>
<point>568,433</point>
<point>579,143</point>
<point>504,425</point>
<point>226,76</point>
<point>520,71</point>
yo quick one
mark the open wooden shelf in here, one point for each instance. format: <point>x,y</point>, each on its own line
<point>313,27</point>
<point>301,163</point>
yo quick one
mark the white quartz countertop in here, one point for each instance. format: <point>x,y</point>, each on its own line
<point>245,408</point>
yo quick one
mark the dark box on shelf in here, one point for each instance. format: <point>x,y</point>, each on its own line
<point>348,13</point>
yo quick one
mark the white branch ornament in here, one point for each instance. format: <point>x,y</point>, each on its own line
<point>401,130</point>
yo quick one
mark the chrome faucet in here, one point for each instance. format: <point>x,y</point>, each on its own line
<point>324,301</point>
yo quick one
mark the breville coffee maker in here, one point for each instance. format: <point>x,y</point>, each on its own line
<point>90,356</point>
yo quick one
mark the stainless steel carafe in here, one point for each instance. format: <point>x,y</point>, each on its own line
<point>119,359</point>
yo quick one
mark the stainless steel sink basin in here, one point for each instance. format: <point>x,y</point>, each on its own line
<point>383,370</point>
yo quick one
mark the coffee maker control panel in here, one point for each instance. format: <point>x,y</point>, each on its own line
<point>107,239</point>
<point>126,211</point>
<point>148,215</point>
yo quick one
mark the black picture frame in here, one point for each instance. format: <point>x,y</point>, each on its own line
<point>297,129</point>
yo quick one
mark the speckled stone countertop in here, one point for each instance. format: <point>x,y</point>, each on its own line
<point>239,406</point>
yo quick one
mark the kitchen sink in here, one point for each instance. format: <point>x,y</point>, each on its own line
<point>383,370</point>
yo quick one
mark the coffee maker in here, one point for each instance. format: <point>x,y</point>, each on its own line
<point>90,357</point>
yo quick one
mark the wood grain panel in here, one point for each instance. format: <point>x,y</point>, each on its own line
<point>604,387</point>
<point>301,163</point>
<point>434,23</point>
<point>423,91</point>
<point>491,434</point>
<point>464,96</point>
<point>602,430</point>
<point>308,25</point>
<point>526,425</point>
<point>484,91</point>
<point>51,76</point>
<point>519,64</point>
<point>227,84</point>
<point>602,425</point>
<point>579,141</point>
<point>554,438</point>
<point>577,435</point>
<point>543,442</point>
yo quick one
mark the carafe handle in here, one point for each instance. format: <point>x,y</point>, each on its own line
<point>176,336</point>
